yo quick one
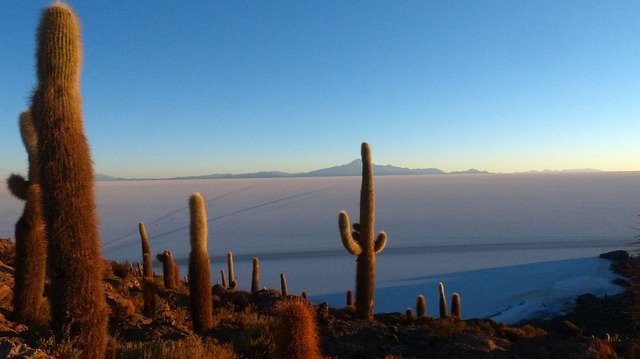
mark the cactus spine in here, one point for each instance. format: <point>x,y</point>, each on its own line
<point>361,242</point>
<point>77,294</point>
<point>456,307</point>
<point>255,276</point>
<point>296,330</point>
<point>30,268</point>
<point>421,307</point>
<point>443,301</point>
<point>199,267</point>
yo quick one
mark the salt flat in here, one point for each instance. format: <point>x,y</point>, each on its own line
<point>437,226</point>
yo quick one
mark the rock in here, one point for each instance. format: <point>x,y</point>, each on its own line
<point>618,255</point>
<point>17,348</point>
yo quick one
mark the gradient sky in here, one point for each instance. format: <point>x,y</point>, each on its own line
<point>188,88</point>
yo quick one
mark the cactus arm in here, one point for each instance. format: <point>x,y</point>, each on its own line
<point>347,240</point>
<point>380,243</point>
<point>18,186</point>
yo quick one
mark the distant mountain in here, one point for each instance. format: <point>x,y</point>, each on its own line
<point>577,170</point>
<point>353,168</point>
<point>103,177</point>
<point>471,171</point>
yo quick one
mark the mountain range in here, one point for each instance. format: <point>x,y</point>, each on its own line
<point>354,168</point>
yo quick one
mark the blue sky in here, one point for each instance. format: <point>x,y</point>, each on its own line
<point>187,88</point>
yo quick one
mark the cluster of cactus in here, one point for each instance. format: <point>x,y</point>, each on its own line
<point>30,231</point>
<point>65,187</point>
<point>360,242</point>
<point>456,306</point>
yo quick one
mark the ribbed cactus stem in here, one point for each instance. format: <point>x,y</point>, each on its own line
<point>168,269</point>
<point>283,285</point>
<point>147,266</point>
<point>148,288</point>
<point>255,275</point>
<point>199,266</point>
<point>421,307</point>
<point>296,331</point>
<point>76,292</point>
<point>443,301</point>
<point>360,241</point>
<point>456,306</point>
<point>30,141</point>
<point>30,263</point>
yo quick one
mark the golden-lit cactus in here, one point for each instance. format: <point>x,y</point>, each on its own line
<point>78,303</point>
<point>148,288</point>
<point>30,267</point>
<point>169,270</point>
<point>361,243</point>
<point>456,306</point>
<point>255,275</point>
<point>296,331</point>
<point>199,266</point>
<point>421,307</point>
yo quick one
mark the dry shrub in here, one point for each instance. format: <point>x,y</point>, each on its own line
<point>7,252</point>
<point>190,347</point>
<point>444,328</point>
<point>517,333</point>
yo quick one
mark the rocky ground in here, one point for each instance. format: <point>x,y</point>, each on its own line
<point>597,328</point>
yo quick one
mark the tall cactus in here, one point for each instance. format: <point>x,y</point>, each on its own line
<point>456,306</point>
<point>30,232</point>
<point>170,274</point>
<point>77,295</point>
<point>361,241</point>
<point>199,267</point>
<point>442,302</point>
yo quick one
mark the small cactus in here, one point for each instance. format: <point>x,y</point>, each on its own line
<point>169,268</point>
<point>224,279</point>
<point>456,307</point>
<point>232,277</point>
<point>283,285</point>
<point>255,276</point>
<point>296,332</point>
<point>443,301</point>
<point>408,314</point>
<point>199,266</point>
<point>360,242</point>
<point>349,298</point>
<point>421,307</point>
